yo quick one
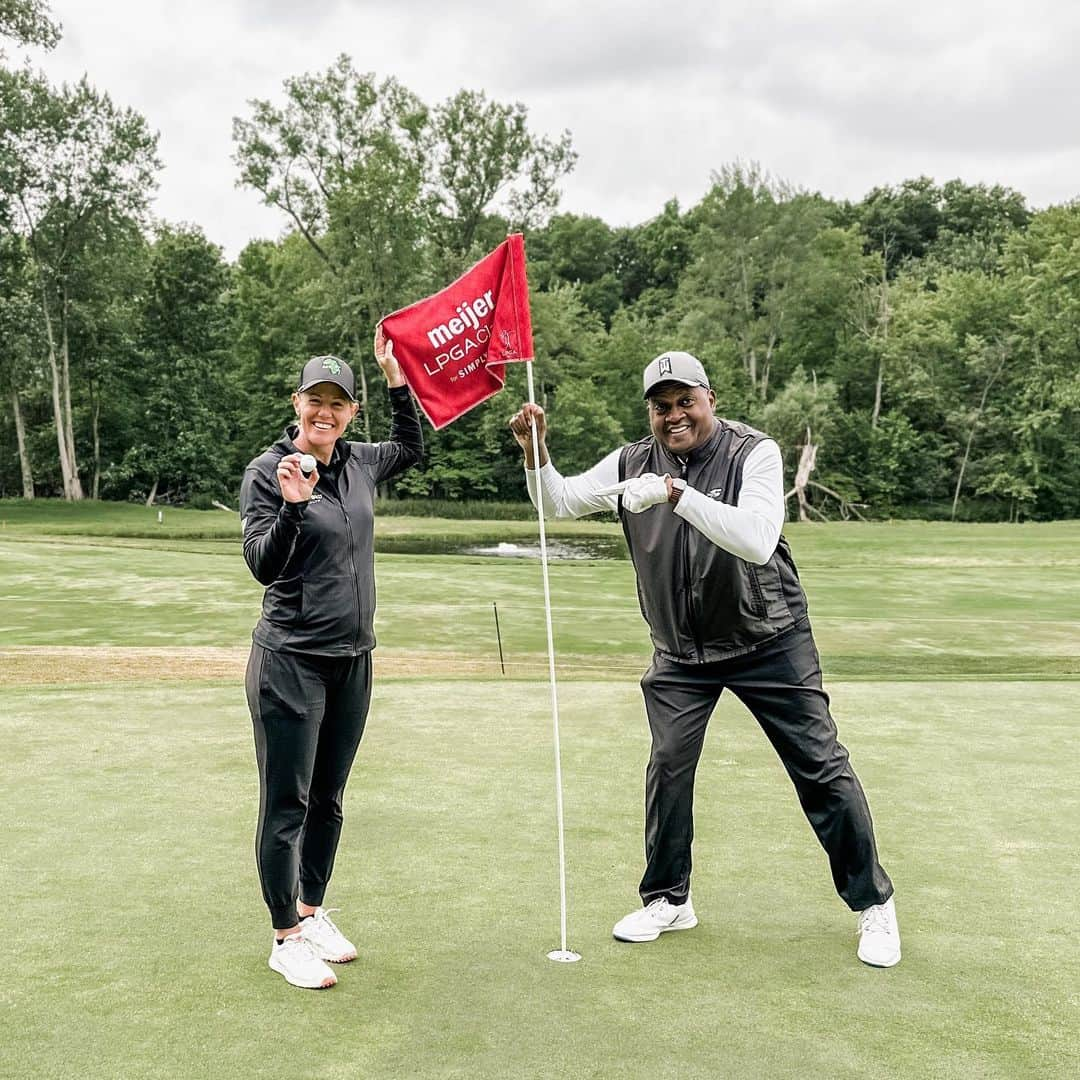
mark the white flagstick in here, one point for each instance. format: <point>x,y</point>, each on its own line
<point>563,955</point>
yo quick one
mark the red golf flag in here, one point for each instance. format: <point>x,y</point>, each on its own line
<point>451,346</point>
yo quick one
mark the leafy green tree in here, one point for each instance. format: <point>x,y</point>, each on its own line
<point>977,222</point>
<point>28,22</point>
<point>950,351</point>
<point>482,155</point>
<point>964,226</point>
<point>583,429</point>
<point>106,288</point>
<point>650,259</point>
<point>282,316</point>
<point>345,158</point>
<point>902,222</point>
<point>890,466</point>
<point>570,248</point>
<point>20,345</point>
<point>755,240</point>
<point>637,266</point>
<point>985,363</point>
<point>300,155</point>
<point>800,418</point>
<point>579,251</point>
<point>73,166</point>
<point>460,460</point>
<point>183,381</point>
<point>391,195</point>
<point>571,380</point>
<point>1041,475</point>
<point>831,276</point>
<point>620,357</point>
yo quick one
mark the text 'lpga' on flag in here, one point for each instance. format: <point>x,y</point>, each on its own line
<point>451,346</point>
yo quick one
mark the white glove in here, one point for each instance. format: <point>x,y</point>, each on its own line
<point>644,491</point>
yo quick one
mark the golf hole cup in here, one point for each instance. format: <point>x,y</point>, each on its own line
<point>307,464</point>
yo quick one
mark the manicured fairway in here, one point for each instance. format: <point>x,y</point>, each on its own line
<point>905,600</point>
<point>137,944</point>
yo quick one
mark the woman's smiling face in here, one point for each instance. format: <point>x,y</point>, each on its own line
<point>323,412</point>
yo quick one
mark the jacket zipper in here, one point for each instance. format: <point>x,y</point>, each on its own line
<point>691,615</point>
<point>355,574</point>
<point>352,560</point>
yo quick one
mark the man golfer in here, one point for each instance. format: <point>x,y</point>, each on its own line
<point>701,501</point>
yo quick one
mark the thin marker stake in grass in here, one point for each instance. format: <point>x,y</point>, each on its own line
<point>563,954</point>
<point>498,636</point>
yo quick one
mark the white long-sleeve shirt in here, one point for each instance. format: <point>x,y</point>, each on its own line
<point>750,529</point>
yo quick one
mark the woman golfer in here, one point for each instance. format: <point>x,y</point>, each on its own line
<point>307,506</point>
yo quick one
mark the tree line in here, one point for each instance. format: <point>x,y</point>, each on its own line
<point>915,353</point>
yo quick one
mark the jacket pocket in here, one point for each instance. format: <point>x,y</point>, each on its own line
<point>767,594</point>
<point>757,597</point>
<point>285,601</point>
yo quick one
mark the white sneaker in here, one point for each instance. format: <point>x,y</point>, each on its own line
<point>879,935</point>
<point>326,940</point>
<point>294,958</point>
<point>649,922</point>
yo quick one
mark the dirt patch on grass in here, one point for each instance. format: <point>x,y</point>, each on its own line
<point>42,666</point>
<point>63,665</point>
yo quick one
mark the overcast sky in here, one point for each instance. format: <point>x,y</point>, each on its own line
<point>830,95</point>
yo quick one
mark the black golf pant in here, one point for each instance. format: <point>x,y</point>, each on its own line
<point>308,713</point>
<point>781,685</point>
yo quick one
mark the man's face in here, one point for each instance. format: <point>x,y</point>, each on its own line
<point>681,417</point>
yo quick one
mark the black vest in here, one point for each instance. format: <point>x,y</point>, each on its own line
<point>702,603</point>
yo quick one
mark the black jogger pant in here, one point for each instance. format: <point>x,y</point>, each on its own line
<point>781,685</point>
<point>308,713</point>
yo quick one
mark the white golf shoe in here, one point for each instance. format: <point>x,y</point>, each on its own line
<point>294,958</point>
<point>879,935</point>
<point>326,940</point>
<point>649,922</point>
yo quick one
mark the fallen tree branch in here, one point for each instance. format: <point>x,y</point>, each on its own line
<point>845,506</point>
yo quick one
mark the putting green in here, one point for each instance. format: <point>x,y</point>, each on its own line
<point>142,940</point>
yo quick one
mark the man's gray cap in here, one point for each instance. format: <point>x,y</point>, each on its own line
<point>678,367</point>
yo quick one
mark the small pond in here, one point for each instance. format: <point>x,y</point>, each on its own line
<point>562,549</point>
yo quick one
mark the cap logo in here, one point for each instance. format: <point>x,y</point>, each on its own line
<point>331,365</point>
<point>665,365</point>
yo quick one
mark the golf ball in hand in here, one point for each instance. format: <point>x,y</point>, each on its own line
<point>307,464</point>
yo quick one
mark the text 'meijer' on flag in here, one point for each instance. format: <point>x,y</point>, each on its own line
<point>451,346</point>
